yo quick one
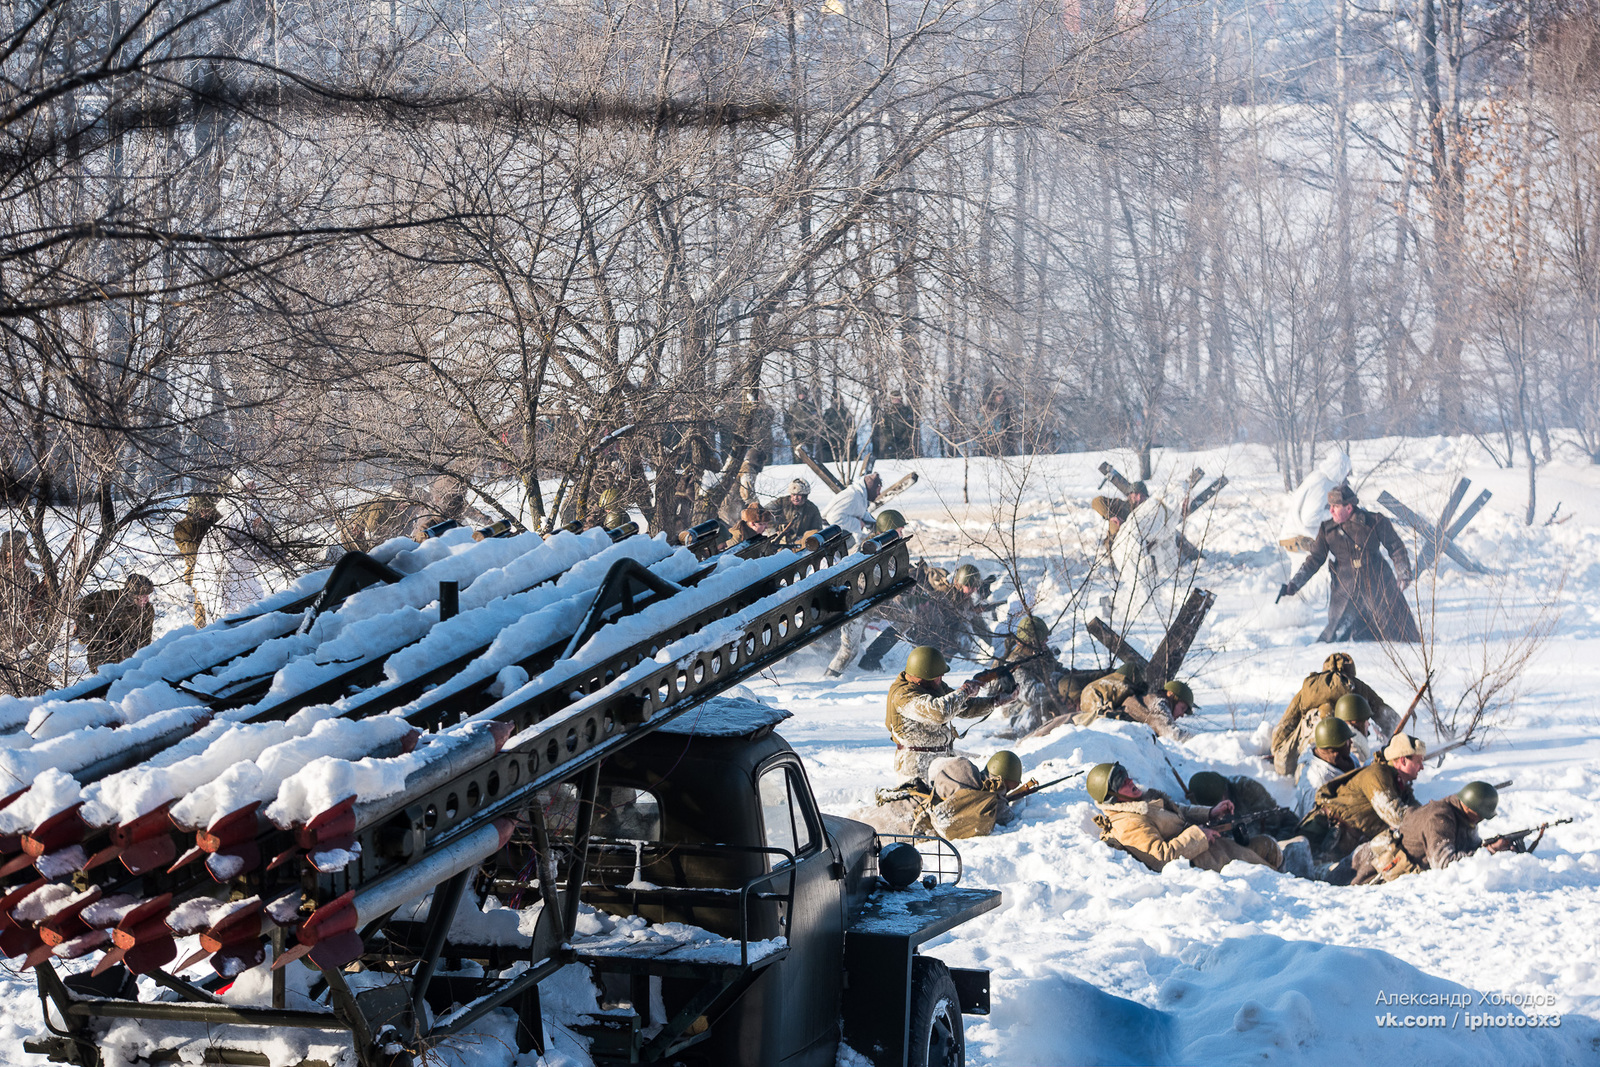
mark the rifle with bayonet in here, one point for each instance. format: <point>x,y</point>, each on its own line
<point>1517,837</point>
<point>1033,785</point>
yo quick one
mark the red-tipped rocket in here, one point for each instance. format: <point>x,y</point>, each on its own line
<point>329,935</point>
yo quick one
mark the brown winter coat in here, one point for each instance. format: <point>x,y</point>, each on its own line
<point>1364,598</point>
<point>1356,806</point>
<point>113,625</point>
<point>1115,510</point>
<point>1432,836</point>
<point>790,524</point>
<point>187,533</point>
<point>1112,697</point>
<point>1156,831</point>
<point>1315,700</point>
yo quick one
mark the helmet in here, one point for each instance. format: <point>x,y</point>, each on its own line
<point>1128,671</point>
<point>1208,788</point>
<point>1353,707</point>
<point>1480,798</point>
<point>900,864</point>
<point>1004,765</point>
<point>925,661</point>
<point>138,585</point>
<point>966,574</point>
<point>888,519</point>
<point>609,498</point>
<point>615,519</point>
<point>1331,733</point>
<point>799,487</point>
<point>1032,630</point>
<point>1180,691</point>
<point>1342,663</point>
<point>1103,780</point>
<point>1139,489</point>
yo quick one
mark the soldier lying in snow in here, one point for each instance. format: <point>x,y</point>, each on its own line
<point>1156,831</point>
<point>1430,837</point>
<point>1122,695</point>
<point>959,803</point>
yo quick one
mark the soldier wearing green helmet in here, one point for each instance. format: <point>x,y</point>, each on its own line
<point>1122,695</point>
<point>1330,757</point>
<point>1156,830</point>
<point>1038,675</point>
<point>1317,698</point>
<point>1249,798</point>
<point>943,609</point>
<point>920,708</point>
<point>888,519</point>
<point>1430,837</point>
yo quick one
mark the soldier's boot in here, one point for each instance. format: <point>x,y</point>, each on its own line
<point>1296,852</point>
<point>872,658</point>
<point>1267,849</point>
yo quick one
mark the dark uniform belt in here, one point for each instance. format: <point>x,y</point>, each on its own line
<point>921,748</point>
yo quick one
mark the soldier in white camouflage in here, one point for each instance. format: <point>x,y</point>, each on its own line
<point>920,709</point>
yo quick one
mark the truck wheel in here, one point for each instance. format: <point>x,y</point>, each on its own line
<point>935,1038</point>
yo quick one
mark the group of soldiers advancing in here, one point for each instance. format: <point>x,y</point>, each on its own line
<point>1355,819</point>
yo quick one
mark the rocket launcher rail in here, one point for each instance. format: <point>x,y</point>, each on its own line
<point>453,814</point>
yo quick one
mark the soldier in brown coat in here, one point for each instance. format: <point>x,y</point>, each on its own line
<point>1432,837</point>
<point>1155,830</point>
<point>188,533</point>
<point>1115,509</point>
<point>1120,695</point>
<point>794,514</point>
<point>1357,806</point>
<point>1315,700</point>
<point>1365,601</point>
<point>920,708</point>
<point>113,624</point>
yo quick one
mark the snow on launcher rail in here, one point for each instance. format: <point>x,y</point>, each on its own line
<point>295,821</point>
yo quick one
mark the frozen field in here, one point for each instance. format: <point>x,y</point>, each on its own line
<point>1097,960</point>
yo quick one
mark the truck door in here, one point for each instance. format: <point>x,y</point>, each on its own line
<point>810,977</point>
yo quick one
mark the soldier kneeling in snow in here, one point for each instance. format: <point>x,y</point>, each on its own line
<point>1154,830</point>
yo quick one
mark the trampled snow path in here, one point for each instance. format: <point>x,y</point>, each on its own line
<point>1097,960</point>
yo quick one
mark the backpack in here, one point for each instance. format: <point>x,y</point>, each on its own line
<point>970,813</point>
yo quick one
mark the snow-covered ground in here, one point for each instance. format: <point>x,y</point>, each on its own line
<point>1097,960</point>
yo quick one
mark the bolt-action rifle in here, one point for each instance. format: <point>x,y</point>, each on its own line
<point>1033,785</point>
<point>1517,837</point>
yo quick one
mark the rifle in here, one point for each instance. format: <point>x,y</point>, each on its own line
<point>1451,747</point>
<point>1033,785</point>
<point>1181,783</point>
<point>1004,671</point>
<point>1001,672</point>
<point>1516,837</point>
<point>1400,727</point>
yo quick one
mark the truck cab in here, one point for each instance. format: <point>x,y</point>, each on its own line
<point>711,822</point>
